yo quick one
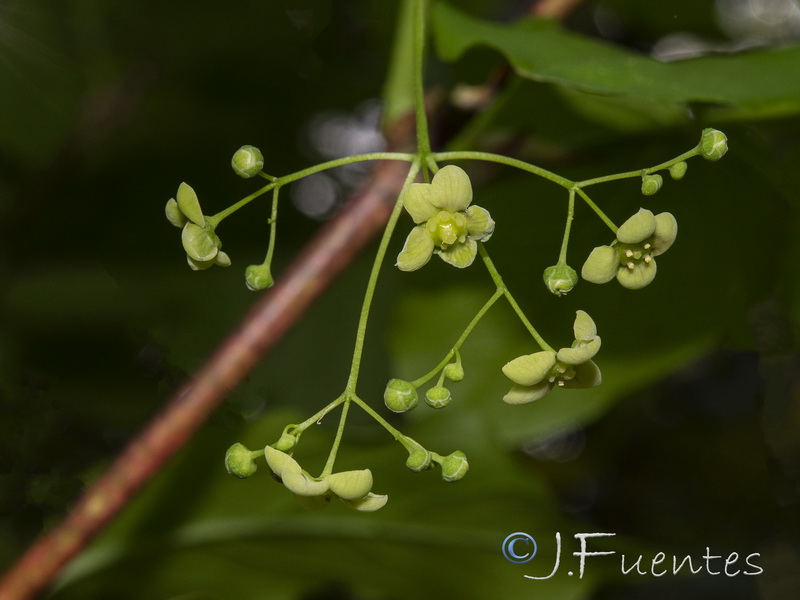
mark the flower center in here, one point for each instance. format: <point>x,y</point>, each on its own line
<point>631,255</point>
<point>447,228</point>
<point>560,373</point>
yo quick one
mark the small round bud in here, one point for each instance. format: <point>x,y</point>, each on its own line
<point>437,397</point>
<point>400,396</point>
<point>560,279</point>
<point>713,144</point>
<point>288,439</point>
<point>651,184</point>
<point>454,372</point>
<point>239,461</point>
<point>258,277</point>
<point>247,161</point>
<point>678,170</point>
<point>454,466</point>
<point>419,460</point>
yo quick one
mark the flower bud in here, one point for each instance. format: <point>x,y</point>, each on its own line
<point>400,396</point>
<point>454,466</point>
<point>651,184</point>
<point>437,397</point>
<point>258,277</point>
<point>713,144</point>
<point>239,461</point>
<point>678,170</point>
<point>247,161</point>
<point>419,460</point>
<point>560,279</point>
<point>454,372</point>
<point>288,439</point>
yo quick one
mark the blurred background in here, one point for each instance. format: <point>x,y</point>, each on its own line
<point>689,447</point>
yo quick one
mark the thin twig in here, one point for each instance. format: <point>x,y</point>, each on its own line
<point>330,251</point>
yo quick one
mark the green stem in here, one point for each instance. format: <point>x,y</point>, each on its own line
<point>640,172</point>
<point>320,414</point>
<point>273,227</point>
<point>597,210</point>
<point>457,346</point>
<point>281,181</point>
<point>396,434</point>
<point>504,160</point>
<point>338,440</point>
<point>501,286</point>
<point>373,279</point>
<point>423,139</point>
<point>562,256</point>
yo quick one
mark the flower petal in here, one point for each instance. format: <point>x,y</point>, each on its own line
<point>579,353</point>
<point>480,224</point>
<point>369,503</point>
<point>665,233</point>
<point>638,228</point>
<point>198,243</point>
<point>640,276</point>
<point>350,485</point>
<point>452,189</point>
<point>190,205</point>
<point>417,201</point>
<point>302,485</point>
<point>174,213</point>
<point>280,461</point>
<point>584,328</point>
<point>520,394</point>
<point>601,266</point>
<point>222,259</point>
<point>460,255</point>
<point>586,375</point>
<point>530,369</point>
<point>199,265</point>
<point>417,251</point>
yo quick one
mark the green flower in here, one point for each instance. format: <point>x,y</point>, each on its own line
<point>351,487</point>
<point>630,258</point>
<point>536,374</point>
<point>202,245</point>
<point>446,223</point>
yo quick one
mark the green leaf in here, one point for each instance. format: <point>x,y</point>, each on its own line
<point>542,51</point>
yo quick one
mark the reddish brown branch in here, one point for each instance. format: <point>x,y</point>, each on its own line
<point>330,251</point>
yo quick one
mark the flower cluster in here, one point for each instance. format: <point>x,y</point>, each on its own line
<point>446,223</point>
<point>534,375</point>
<point>351,487</point>
<point>630,258</point>
<point>203,247</point>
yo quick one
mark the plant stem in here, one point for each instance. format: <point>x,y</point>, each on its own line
<point>562,256</point>
<point>504,160</point>
<point>423,139</point>
<point>597,210</point>
<point>338,440</point>
<point>373,279</point>
<point>320,414</point>
<point>501,286</point>
<point>640,172</point>
<point>478,316</point>
<point>396,434</point>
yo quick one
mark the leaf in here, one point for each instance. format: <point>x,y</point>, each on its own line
<point>541,50</point>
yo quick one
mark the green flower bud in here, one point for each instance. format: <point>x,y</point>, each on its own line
<point>454,371</point>
<point>713,144</point>
<point>419,460</point>
<point>258,277</point>
<point>247,161</point>
<point>400,396</point>
<point>288,439</point>
<point>437,397</point>
<point>651,184</point>
<point>454,466</point>
<point>678,170</point>
<point>174,213</point>
<point>239,461</point>
<point>560,279</point>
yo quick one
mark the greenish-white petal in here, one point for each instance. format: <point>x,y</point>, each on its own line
<point>586,375</point>
<point>584,327</point>
<point>460,255</point>
<point>520,394</point>
<point>174,213</point>
<point>303,485</point>
<point>199,265</point>
<point>601,266</point>
<point>638,228</point>
<point>480,224</point>
<point>280,461</point>
<point>222,259</point>
<point>198,243</point>
<point>452,189</point>
<point>640,276</point>
<point>417,201</point>
<point>665,233</point>
<point>530,369</point>
<point>580,353</point>
<point>369,503</point>
<point>350,485</point>
<point>190,205</point>
<point>417,250</point>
